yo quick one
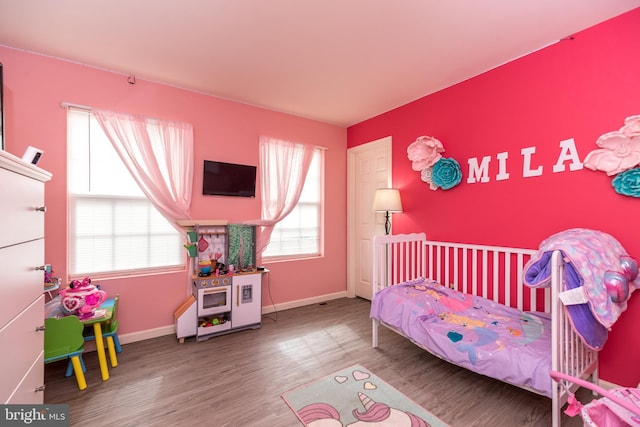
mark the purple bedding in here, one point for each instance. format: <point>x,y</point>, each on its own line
<point>470,331</point>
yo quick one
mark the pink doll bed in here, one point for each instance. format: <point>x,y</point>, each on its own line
<point>483,319</point>
<point>618,407</point>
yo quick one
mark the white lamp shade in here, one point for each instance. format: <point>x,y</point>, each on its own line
<point>387,199</point>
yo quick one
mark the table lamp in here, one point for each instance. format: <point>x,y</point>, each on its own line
<point>387,200</point>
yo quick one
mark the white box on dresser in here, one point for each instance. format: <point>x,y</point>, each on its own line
<point>21,265</point>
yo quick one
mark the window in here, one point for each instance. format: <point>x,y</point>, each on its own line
<point>299,235</point>
<point>113,227</point>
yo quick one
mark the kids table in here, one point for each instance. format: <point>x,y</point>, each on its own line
<point>101,315</point>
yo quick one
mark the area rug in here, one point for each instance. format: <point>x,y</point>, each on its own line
<point>356,397</point>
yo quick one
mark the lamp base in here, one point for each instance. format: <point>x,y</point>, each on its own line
<point>387,223</point>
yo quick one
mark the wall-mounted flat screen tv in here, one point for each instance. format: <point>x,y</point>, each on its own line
<point>228,179</point>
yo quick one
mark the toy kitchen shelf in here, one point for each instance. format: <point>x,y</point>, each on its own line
<point>226,287</point>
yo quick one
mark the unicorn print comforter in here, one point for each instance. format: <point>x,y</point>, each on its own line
<point>470,331</point>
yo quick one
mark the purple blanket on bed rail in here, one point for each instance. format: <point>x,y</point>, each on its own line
<point>596,264</point>
<point>470,331</point>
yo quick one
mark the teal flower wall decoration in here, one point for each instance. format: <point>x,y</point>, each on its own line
<point>627,183</point>
<point>446,173</point>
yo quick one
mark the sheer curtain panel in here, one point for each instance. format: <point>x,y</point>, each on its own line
<point>159,155</point>
<point>283,169</point>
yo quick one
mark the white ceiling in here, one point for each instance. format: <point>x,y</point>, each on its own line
<point>336,61</point>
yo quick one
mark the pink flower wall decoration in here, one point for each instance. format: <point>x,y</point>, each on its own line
<point>631,127</point>
<point>620,149</point>
<point>435,170</point>
<point>424,152</point>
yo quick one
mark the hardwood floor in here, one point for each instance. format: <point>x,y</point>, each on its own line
<point>236,379</point>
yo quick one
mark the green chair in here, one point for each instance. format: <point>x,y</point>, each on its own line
<point>63,340</point>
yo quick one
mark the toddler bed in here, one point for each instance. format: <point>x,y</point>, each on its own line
<point>484,319</point>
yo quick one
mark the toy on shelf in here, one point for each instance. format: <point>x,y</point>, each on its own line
<point>205,267</point>
<point>48,274</point>
<point>207,322</point>
<point>50,283</point>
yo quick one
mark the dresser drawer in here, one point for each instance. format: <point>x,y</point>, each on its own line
<point>20,338</point>
<point>21,283</point>
<point>28,391</point>
<point>20,197</point>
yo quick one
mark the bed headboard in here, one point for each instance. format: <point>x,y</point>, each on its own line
<point>492,272</point>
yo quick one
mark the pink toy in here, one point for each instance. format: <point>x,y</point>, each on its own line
<point>81,298</point>
<point>618,407</point>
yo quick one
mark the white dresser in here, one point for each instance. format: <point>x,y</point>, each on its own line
<point>21,287</point>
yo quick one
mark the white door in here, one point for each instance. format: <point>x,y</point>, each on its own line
<point>369,168</point>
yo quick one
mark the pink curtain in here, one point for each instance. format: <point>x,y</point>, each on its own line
<point>283,170</point>
<point>159,155</point>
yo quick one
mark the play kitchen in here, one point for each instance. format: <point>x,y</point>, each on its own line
<point>226,285</point>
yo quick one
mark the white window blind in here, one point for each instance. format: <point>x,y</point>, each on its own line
<point>300,233</point>
<point>113,227</point>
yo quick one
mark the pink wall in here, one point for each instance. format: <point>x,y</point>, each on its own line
<point>34,87</point>
<point>578,89</point>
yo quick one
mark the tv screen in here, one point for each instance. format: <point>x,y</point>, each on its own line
<point>228,179</point>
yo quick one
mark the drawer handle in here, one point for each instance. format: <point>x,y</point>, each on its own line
<point>41,209</point>
<point>40,328</point>
<point>41,387</point>
<point>41,267</point>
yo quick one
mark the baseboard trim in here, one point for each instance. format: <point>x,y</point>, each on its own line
<point>147,334</point>
<point>171,329</point>
<point>137,336</point>
<point>303,302</point>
